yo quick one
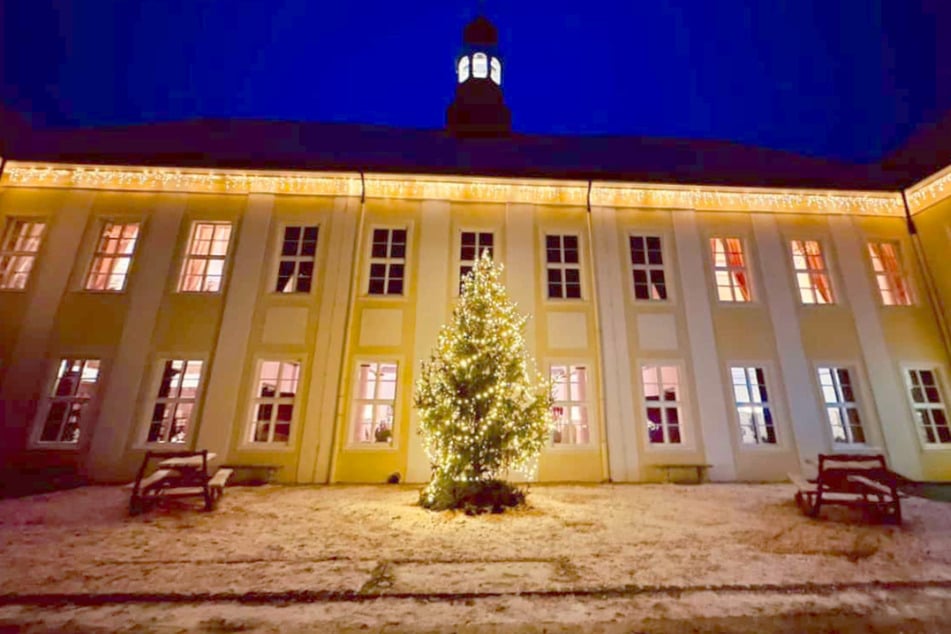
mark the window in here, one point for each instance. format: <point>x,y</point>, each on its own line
<point>110,264</point>
<point>563,267</point>
<point>496,70</point>
<point>463,69</point>
<point>21,242</point>
<point>930,412</point>
<point>175,402</point>
<point>570,408</point>
<point>752,406</point>
<point>841,409</point>
<point>373,403</point>
<point>729,266</point>
<point>387,262</point>
<point>480,66</point>
<point>295,272</point>
<point>890,276</point>
<point>647,267</point>
<point>273,407</point>
<point>73,388</point>
<point>812,276</point>
<point>472,245</point>
<point>204,264</point>
<point>662,403</point>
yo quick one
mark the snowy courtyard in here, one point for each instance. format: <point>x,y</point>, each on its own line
<point>581,558</point>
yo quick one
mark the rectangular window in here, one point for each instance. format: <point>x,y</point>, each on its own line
<point>471,248</point>
<point>110,263</point>
<point>647,267</point>
<point>930,412</point>
<point>812,275</point>
<point>890,276</point>
<point>662,403</point>
<point>752,406</point>
<point>373,404</point>
<point>20,244</point>
<point>387,262</point>
<point>175,402</point>
<point>204,265</point>
<point>730,270</point>
<point>275,389</point>
<point>295,272</point>
<point>563,267</point>
<point>570,409</point>
<point>73,388</point>
<point>842,411</point>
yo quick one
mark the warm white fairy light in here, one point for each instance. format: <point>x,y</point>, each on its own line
<point>482,412</point>
<point>930,191</point>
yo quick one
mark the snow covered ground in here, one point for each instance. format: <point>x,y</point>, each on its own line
<point>284,558</point>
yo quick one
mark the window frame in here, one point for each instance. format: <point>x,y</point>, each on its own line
<point>458,262</point>
<point>495,70</point>
<point>562,266</point>
<point>370,261</point>
<point>96,253</point>
<point>6,233</point>
<point>588,403</point>
<point>747,267</point>
<point>187,256</point>
<point>353,403</point>
<point>253,400</point>
<point>480,55</point>
<point>812,273</point>
<point>279,257</point>
<point>904,271</point>
<point>771,402</point>
<point>687,439</point>
<point>942,379</point>
<point>663,267</point>
<point>860,397</point>
<point>463,67</point>
<point>48,398</point>
<point>151,399</point>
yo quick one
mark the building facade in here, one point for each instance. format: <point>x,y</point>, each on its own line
<point>280,318</point>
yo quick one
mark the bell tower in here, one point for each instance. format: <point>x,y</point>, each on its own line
<point>479,109</point>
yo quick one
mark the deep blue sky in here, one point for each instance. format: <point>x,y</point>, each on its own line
<point>848,79</point>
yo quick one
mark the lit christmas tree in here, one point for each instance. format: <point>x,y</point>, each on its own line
<point>482,412</point>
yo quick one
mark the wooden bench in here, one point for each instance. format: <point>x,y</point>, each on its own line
<point>854,480</point>
<point>180,474</point>
<point>700,468</point>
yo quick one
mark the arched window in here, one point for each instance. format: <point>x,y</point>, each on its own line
<point>463,69</point>
<point>497,71</point>
<point>480,66</point>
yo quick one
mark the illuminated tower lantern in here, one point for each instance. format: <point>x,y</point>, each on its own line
<point>479,108</point>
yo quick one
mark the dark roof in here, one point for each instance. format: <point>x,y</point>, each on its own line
<point>255,144</point>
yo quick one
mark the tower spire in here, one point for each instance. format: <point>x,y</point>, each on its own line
<point>479,109</point>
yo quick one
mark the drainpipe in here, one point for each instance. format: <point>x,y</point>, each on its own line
<point>933,298</point>
<point>343,376</point>
<point>602,427</point>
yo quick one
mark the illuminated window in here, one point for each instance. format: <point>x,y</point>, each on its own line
<point>463,69</point>
<point>387,262</point>
<point>295,272</point>
<point>752,406</point>
<point>890,276</point>
<point>841,409</point>
<point>74,387</point>
<point>662,404</point>
<point>496,70</point>
<point>21,242</point>
<point>471,248</point>
<point>570,408</point>
<point>812,274</point>
<point>373,404</point>
<point>730,270</point>
<point>930,412</point>
<point>275,389</point>
<point>647,267</point>
<point>110,263</point>
<point>204,265</point>
<point>176,401</point>
<point>480,66</point>
<point>563,267</point>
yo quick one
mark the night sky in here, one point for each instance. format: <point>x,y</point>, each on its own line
<point>848,79</point>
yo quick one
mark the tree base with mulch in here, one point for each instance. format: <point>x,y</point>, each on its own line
<point>474,498</point>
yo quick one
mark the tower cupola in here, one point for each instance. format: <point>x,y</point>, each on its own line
<point>479,107</point>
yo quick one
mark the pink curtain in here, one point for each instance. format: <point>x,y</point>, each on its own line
<point>734,257</point>
<point>814,263</point>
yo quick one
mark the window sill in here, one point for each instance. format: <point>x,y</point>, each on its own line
<point>578,448</point>
<point>370,447</point>
<point>53,446</point>
<point>265,447</point>
<point>935,447</point>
